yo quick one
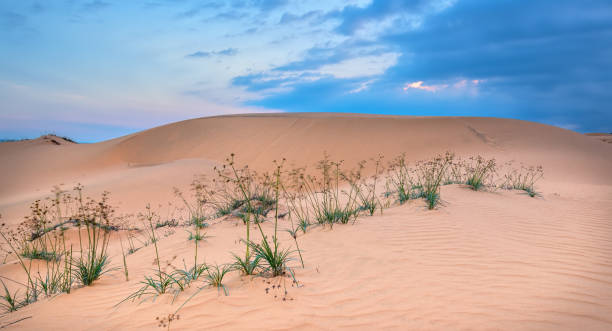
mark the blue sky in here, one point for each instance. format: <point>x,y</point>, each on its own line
<point>94,70</point>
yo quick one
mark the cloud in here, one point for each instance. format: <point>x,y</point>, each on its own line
<point>462,85</point>
<point>281,80</point>
<point>223,52</point>
<point>227,52</point>
<point>366,66</point>
<point>419,86</point>
<point>553,67</point>
<point>381,15</point>
<point>312,17</point>
<point>362,86</point>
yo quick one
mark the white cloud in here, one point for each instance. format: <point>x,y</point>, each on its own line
<point>462,85</point>
<point>366,66</point>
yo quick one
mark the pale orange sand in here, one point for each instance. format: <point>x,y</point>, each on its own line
<point>482,260</point>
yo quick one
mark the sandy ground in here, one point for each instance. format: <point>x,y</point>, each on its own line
<point>482,260</point>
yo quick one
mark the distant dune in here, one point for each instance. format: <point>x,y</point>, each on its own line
<point>605,137</point>
<point>483,260</point>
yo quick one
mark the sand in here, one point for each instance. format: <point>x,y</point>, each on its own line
<point>481,260</point>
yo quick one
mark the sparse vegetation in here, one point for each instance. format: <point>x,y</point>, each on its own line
<point>162,281</point>
<point>241,180</point>
<point>400,181</point>
<point>365,188</point>
<point>335,196</point>
<point>325,197</point>
<point>479,170</point>
<point>523,178</point>
<point>93,261</point>
<point>429,176</point>
<point>41,236</point>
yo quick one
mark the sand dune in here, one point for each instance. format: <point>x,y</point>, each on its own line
<point>482,260</point>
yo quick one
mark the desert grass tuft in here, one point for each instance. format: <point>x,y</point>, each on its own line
<point>430,175</point>
<point>93,261</point>
<point>9,301</point>
<point>400,181</point>
<point>33,252</point>
<point>197,235</point>
<point>366,189</point>
<point>241,180</point>
<point>479,171</point>
<point>215,275</point>
<point>523,178</point>
<point>274,258</point>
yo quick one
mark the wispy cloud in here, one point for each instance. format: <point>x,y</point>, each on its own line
<point>458,85</point>
<point>419,86</point>
<point>223,52</point>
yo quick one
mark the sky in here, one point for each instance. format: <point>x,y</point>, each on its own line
<point>95,70</point>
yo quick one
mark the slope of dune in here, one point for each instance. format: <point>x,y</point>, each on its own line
<point>482,260</point>
<point>30,169</point>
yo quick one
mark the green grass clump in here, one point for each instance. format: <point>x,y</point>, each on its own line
<point>197,235</point>
<point>400,181</point>
<point>33,252</point>
<point>328,202</point>
<point>246,266</point>
<point>430,175</point>
<point>90,268</point>
<point>479,171</point>
<point>9,301</point>
<point>229,207</point>
<point>366,189</point>
<point>93,261</point>
<point>274,259</point>
<point>215,275</point>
